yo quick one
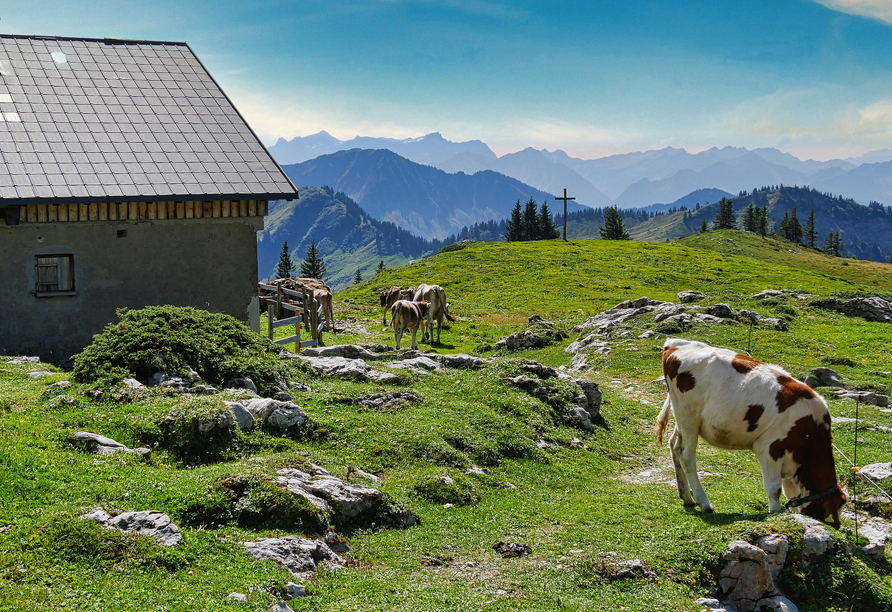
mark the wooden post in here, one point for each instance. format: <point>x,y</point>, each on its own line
<point>565,198</point>
<point>314,320</point>
<point>279,301</point>
<point>271,315</point>
<point>306,307</point>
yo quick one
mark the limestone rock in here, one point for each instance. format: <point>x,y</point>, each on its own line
<point>275,413</point>
<point>241,383</point>
<point>329,494</point>
<point>244,420</point>
<point>280,606</point>
<point>150,523</point>
<point>816,540</point>
<point>300,556</point>
<point>869,308</point>
<point>39,374</point>
<point>686,297</point>
<point>539,334</point>
<point>620,313</point>
<point>293,591</point>
<point>347,351</point>
<point>877,472</point>
<point>461,360</point>
<point>748,578</point>
<point>827,377</point>
<point>422,365</point>
<point>107,446</point>
<point>723,311</point>
<point>865,397</point>
<point>768,293</point>
<point>23,360</point>
<point>349,369</point>
<point>379,400</point>
<point>580,419</point>
<point>238,597</point>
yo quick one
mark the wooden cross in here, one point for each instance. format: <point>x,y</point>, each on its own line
<point>565,198</point>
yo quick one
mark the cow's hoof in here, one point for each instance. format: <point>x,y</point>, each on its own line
<point>709,510</point>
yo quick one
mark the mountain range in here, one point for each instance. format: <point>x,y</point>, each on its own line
<point>630,180</point>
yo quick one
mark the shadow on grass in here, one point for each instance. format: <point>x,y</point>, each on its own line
<point>721,519</point>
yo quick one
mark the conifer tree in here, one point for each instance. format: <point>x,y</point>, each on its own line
<point>725,217</point>
<point>357,278</point>
<point>381,266</point>
<point>531,220</point>
<point>514,230</point>
<point>832,244</point>
<point>286,265</point>
<point>613,228</point>
<point>547,227</point>
<point>750,218</point>
<point>811,232</point>
<point>313,265</point>
<point>704,227</point>
<point>762,220</point>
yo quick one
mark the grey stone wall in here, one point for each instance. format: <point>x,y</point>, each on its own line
<point>206,263</point>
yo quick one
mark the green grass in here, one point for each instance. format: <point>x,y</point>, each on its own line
<point>570,503</point>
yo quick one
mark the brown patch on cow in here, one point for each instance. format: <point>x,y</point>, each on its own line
<point>753,414</point>
<point>811,446</point>
<point>790,392</point>
<point>744,364</point>
<point>685,382</point>
<point>670,363</point>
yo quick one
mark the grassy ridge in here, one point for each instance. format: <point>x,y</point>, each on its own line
<point>572,499</point>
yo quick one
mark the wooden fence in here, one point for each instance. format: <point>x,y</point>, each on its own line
<point>305,308</point>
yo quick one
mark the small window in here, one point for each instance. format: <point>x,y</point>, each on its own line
<point>55,274</point>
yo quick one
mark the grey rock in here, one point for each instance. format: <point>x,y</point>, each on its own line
<point>877,472</point>
<point>768,293</point>
<point>300,556</point>
<point>589,341</point>
<point>591,392</point>
<point>620,313</point>
<point>869,308</point>
<point>648,334</point>
<point>330,494</point>
<point>347,351</point>
<point>421,364</point>
<point>23,360</point>
<point>280,606</point>
<point>131,382</point>
<point>244,420</point>
<point>239,597</point>
<point>580,418</point>
<point>156,379</point>
<point>276,413</point>
<point>723,311</point>
<point>816,541</point>
<point>750,316</point>
<point>686,297</point>
<point>150,523</point>
<point>461,360</point>
<point>865,397</point>
<point>241,383</point>
<point>39,374</point>
<point>107,446</point>
<point>293,591</point>
<point>348,369</point>
<point>220,420</point>
<point>827,377</point>
<point>379,400</point>
<point>776,547</point>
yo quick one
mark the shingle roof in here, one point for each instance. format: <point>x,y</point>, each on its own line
<point>106,120</point>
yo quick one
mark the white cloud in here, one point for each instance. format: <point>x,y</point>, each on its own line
<point>881,10</point>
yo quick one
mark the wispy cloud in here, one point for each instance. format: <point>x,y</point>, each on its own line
<point>881,10</point>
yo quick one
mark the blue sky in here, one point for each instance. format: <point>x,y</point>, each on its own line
<point>597,77</point>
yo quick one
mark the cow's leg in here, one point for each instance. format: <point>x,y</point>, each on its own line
<point>687,454</point>
<point>397,335</point>
<point>772,481</point>
<point>684,490</point>
<point>439,326</point>
<point>414,341</point>
<point>791,489</point>
<point>385,317</point>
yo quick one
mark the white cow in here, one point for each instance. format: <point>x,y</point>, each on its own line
<point>436,295</point>
<point>733,401</point>
<point>407,315</point>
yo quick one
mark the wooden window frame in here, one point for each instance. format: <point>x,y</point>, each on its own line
<point>49,281</point>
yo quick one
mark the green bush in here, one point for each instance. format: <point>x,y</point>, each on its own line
<point>182,429</point>
<point>171,339</point>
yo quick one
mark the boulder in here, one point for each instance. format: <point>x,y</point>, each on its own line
<point>816,540</point>
<point>241,383</point>
<point>580,419</point>
<point>461,360</point>
<point>620,313</point>
<point>348,369</point>
<point>275,413</point>
<point>539,333</point>
<point>877,472</point>
<point>869,308</point>
<point>422,365</point>
<point>723,311</point>
<point>769,293</point>
<point>379,400</point>
<point>150,523</point>
<point>23,360</point>
<point>347,351</point>
<point>827,377</point>
<point>865,397</point>
<point>747,580</point>
<point>106,446</point>
<point>686,297</point>
<point>300,556</point>
<point>331,495</point>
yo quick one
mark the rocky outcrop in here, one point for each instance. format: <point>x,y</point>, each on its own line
<point>267,411</point>
<point>331,495</point>
<point>868,308</point>
<point>150,523</point>
<point>539,333</point>
<point>865,397</point>
<point>300,556</point>
<point>686,297</point>
<point>348,369</point>
<point>580,400</point>
<point>379,400</point>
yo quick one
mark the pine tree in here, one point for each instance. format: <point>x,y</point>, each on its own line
<point>514,228</point>
<point>704,227</point>
<point>531,220</point>
<point>286,265</point>
<point>613,228</point>
<point>750,218</point>
<point>357,278</point>
<point>381,267</point>
<point>832,244</point>
<point>547,227</point>
<point>762,220</point>
<point>811,232</point>
<point>313,265</point>
<point>725,217</point>
<point>794,228</point>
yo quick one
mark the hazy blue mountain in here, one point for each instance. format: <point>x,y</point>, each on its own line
<point>432,149</point>
<point>872,157</point>
<point>421,199</point>
<point>733,176</point>
<point>864,184</point>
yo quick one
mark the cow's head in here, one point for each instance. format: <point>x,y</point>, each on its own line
<point>828,505</point>
<point>423,307</point>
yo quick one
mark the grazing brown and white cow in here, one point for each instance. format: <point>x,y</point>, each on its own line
<point>733,401</point>
<point>407,315</point>
<point>436,295</point>
<point>389,298</point>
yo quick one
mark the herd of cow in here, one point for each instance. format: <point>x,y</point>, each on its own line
<point>729,399</point>
<point>414,308</point>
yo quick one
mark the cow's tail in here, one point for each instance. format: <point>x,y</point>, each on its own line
<point>449,317</point>
<point>663,420</point>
